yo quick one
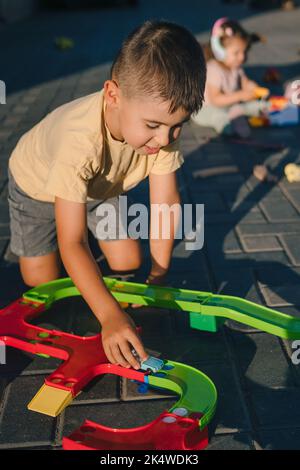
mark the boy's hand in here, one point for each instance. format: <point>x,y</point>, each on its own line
<point>119,337</point>
<point>156,279</point>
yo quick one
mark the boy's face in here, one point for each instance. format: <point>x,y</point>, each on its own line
<point>144,123</point>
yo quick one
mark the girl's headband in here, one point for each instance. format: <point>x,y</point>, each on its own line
<point>215,40</point>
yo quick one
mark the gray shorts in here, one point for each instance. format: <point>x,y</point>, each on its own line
<point>33,227</point>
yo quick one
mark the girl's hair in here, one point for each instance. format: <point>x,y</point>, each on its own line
<point>231,29</point>
<point>163,60</point>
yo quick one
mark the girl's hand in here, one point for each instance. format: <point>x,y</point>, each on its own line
<point>246,94</point>
<point>119,337</point>
<point>248,90</point>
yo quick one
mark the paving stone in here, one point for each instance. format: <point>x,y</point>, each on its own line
<point>267,229</point>
<point>275,258</point>
<point>212,201</point>
<point>237,282</point>
<point>21,363</point>
<point>12,285</point>
<point>184,259</point>
<point>28,446</point>
<point>216,182</point>
<point>280,439</point>
<point>3,245</point>
<point>192,153</point>
<point>279,210</point>
<point>231,414</point>
<point>242,206</point>
<point>264,243</point>
<point>291,245</point>
<point>196,347</point>
<point>237,441</point>
<point>293,195</point>
<point>4,192</point>
<point>260,190</point>
<point>277,408</point>
<point>281,296</point>
<point>9,257</point>
<point>188,280</point>
<point>5,133</point>
<point>252,217</point>
<point>61,314</point>
<point>282,275</point>
<point>20,109</point>
<point>18,424</point>
<point>4,216</point>
<point>11,121</point>
<point>292,311</point>
<point>222,239</point>
<point>103,388</point>
<point>239,195</point>
<point>292,348</point>
<point>261,361</point>
<point>153,321</point>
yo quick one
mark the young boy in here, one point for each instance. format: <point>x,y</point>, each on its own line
<point>93,149</point>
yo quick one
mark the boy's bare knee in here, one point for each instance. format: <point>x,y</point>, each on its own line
<point>131,263</point>
<point>39,270</point>
<point>33,280</point>
<point>123,255</point>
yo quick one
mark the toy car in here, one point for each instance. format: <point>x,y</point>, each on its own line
<point>152,364</point>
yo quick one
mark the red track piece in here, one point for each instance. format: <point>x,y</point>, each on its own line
<point>181,433</point>
<point>84,358</point>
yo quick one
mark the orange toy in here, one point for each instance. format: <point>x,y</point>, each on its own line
<point>261,92</point>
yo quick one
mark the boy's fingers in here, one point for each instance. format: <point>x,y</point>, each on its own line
<point>126,351</point>
<point>137,345</point>
<point>136,305</point>
<point>109,354</point>
<point>119,356</point>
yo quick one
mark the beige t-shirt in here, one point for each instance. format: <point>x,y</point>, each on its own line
<point>71,154</point>
<point>225,80</point>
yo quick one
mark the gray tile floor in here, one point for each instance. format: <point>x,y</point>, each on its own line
<point>251,238</point>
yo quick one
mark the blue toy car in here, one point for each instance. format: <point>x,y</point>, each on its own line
<point>152,364</point>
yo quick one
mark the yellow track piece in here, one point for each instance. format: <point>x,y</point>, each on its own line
<point>50,401</point>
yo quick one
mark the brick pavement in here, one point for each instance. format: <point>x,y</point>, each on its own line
<point>251,250</point>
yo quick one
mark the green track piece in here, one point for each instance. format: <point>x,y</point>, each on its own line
<point>197,392</point>
<point>204,304</point>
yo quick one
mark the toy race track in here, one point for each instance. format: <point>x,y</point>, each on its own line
<point>184,426</point>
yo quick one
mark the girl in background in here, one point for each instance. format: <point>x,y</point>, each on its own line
<point>229,94</point>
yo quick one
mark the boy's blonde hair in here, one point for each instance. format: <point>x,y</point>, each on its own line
<point>163,60</point>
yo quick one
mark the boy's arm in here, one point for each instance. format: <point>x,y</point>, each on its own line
<point>118,331</point>
<point>163,190</point>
